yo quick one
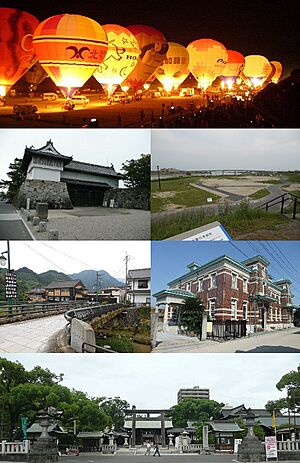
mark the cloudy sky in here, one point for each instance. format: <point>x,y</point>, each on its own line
<point>73,256</point>
<point>226,149</point>
<point>104,146</point>
<point>153,380</point>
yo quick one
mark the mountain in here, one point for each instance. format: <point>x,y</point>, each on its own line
<point>89,279</point>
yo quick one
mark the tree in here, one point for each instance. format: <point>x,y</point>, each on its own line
<point>291,383</point>
<point>137,172</point>
<point>191,315</point>
<point>196,410</point>
<point>257,429</point>
<point>16,179</point>
<point>115,409</point>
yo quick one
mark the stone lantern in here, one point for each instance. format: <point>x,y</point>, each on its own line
<point>171,442</point>
<point>251,449</point>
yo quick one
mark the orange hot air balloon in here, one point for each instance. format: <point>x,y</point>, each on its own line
<point>207,60</point>
<point>174,70</point>
<point>70,47</point>
<point>256,71</point>
<point>121,57</point>
<point>153,46</point>
<point>233,67</point>
<point>16,49</point>
<point>278,71</point>
<point>35,76</point>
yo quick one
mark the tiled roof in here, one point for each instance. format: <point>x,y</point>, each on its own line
<point>139,273</point>
<point>93,169</point>
<point>64,284</point>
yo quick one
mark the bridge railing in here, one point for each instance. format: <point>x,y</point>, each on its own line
<point>23,310</point>
<point>91,311</point>
<point>282,200</point>
<point>8,448</point>
<point>100,349</point>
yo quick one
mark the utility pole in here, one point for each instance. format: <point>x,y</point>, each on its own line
<point>126,259</point>
<point>98,279</point>
<point>158,178</point>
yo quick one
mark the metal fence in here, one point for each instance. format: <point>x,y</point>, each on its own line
<point>228,329</point>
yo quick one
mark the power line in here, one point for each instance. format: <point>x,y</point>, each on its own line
<point>46,258</point>
<point>242,252</point>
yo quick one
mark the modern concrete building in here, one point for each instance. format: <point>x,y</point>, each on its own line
<point>231,291</point>
<point>62,182</point>
<point>139,282</point>
<point>192,393</point>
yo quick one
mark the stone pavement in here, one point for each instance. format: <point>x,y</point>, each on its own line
<point>282,341</point>
<point>129,458</point>
<point>30,336</point>
<point>97,223</point>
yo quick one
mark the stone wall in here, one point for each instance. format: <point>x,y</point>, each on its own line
<point>128,198</point>
<point>54,193</point>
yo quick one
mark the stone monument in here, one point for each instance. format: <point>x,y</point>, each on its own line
<point>44,449</point>
<point>251,449</point>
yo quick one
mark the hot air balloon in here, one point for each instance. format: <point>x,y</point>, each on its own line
<point>207,60</point>
<point>154,47</point>
<point>35,76</point>
<point>257,69</point>
<point>234,66</point>
<point>278,71</point>
<point>70,47</point>
<point>16,49</point>
<point>174,70</point>
<point>121,57</point>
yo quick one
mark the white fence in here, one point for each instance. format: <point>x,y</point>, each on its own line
<point>196,448</point>
<point>8,448</point>
<point>288,445</point>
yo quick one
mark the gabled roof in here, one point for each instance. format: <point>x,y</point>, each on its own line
<point>36,428</point>
<point>199,268</point>
<point>92,169</point>
<point>64,284</point>
<point>139,273</point>
<point>225,426</point>
<point>47,151</point>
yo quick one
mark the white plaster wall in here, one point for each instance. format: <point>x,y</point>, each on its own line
<point>139,298</point>
<point>113,182</point>
<point>43,173</point>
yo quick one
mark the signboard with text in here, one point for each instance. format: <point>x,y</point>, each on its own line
<point>271,447</point>
<point>11,286</point>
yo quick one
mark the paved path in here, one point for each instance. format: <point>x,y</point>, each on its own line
<point>98,223</point>
<point>94,458</point>
<point>11,224</point>
<point>31,335</point>
<point>283,341</point>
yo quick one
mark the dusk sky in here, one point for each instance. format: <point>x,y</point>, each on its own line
<point>101,147</point>
<point>153,381</point>
<point>170,258</point>
<point>73,256</point>
<point>190,149</point>
<point>268,27</point>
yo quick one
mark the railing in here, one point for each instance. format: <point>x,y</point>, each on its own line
<point>282,199</point>
<point>96,348</point>
<point>288,445</point>
<point>24,310</point>
<point>228,329</point>
<point>89,312</point>
<point>8,448</point>
<point>110,448</point>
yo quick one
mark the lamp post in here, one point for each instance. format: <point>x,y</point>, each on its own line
<point>158,178</point>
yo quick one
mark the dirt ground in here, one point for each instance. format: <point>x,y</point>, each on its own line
<point>245,186</point>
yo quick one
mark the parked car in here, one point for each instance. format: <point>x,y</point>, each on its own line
<point>118,97</point>
<point>79,99</point>
<point>49,96</point>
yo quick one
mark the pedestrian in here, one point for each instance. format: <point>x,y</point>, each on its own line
<point>148,448</point>
<point>156,450</point>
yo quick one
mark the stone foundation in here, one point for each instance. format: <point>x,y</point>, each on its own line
<point>128,198</point>
<point>54,193</point>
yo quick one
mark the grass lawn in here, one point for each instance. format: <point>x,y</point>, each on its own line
<point>178,193</point>
<point>237,222</point>
<point>293,177</point>
<point>260,194</point>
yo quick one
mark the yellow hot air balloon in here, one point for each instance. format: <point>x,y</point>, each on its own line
<point>174,70</point>
<point>121,57</point>
<point>70,47</point>
<point>207,60</point>
<point>278,71</point>
<point>256,71</point>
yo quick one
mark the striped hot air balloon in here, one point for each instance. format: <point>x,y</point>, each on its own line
<point>121,57</point>
<point>277,72</point>
<point>16,48</point>
<point>70,47</point>
<point>232,69</point>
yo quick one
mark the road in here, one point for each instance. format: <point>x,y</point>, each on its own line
<point>11,224</point>
<point>283,341</point>
<point>94,458</point>
<point>30,335</point>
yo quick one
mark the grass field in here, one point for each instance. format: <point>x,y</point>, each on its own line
<point>178,193</point>
<point>260,194</point>
<point>237,222</point>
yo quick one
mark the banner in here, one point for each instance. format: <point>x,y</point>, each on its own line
<point>24,423</point>
<point>271,447</point>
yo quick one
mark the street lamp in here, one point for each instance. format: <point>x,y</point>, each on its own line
<point>158,178</point>
<point>3,259</point>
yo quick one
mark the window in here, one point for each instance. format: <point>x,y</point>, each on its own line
<point>233,309</point>
<point>245,285</point>
<point>213,280</point>
<point>245,310</point>
<point>142,284</point>
<point>234,280</point>
<point>188,286</point>
<point>200,284</point>
<point>212,308</point>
